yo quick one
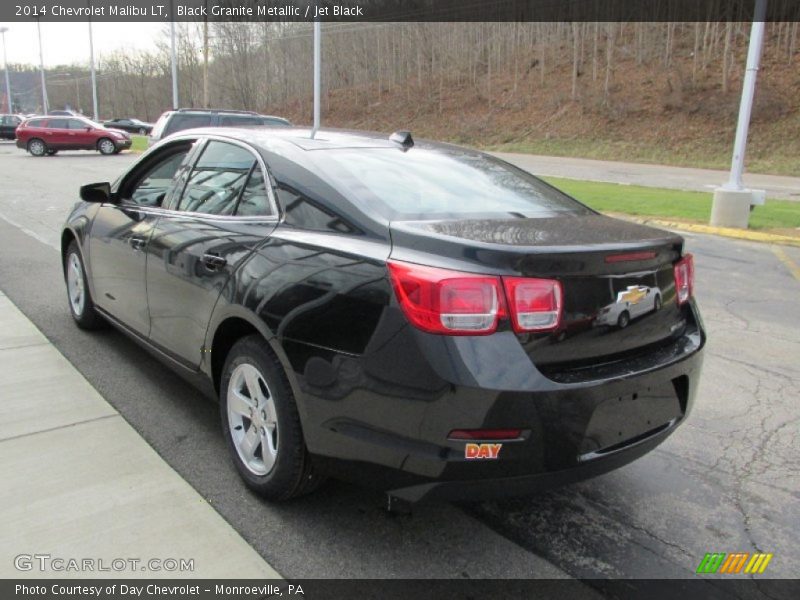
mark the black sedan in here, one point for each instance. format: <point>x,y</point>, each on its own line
<point>420,318</point>
<point>130,125</point>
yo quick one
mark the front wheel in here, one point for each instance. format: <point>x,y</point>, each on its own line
<point>261,423</point>
<point>624,319</point>
<point>106,146</point>
<point>80,300</point>
<point>37,147</point>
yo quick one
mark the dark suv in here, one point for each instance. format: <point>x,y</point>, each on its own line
<point>189,118</point>
<point>8,126</point>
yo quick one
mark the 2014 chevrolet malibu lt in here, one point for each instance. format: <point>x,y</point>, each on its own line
<point>417,317</point>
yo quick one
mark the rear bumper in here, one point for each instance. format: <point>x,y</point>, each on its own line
<point>486,489</point>
<point>386,420</point>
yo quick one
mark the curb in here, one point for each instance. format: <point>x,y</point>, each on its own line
<point>739,234</point>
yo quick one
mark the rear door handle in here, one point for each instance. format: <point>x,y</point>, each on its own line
<point>214,261</point>
<point>137,243</point>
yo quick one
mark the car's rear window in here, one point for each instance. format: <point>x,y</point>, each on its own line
<point>180,122</point>
<point>425,184</point>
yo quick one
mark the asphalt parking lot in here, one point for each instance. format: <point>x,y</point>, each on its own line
<point>726,481</point>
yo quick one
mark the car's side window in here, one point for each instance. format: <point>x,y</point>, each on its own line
<point>58,124</point>
<point>218,179</point>
<point>238,121</point>
<point>153,185</point>
<point>76,124</point>
<point>255,197</point>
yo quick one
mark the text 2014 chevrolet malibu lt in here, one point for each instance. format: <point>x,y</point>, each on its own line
<point>420,318</point>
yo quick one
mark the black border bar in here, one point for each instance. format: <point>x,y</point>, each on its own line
<point>395,10</point>
<point>708,588</point>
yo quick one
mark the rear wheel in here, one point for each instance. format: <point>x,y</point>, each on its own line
<point>261,423</point>
<point>37,147</point>
<point>657,303</point>
<point>106,146</point>
<point>80,300</point>
<point>143,131</point>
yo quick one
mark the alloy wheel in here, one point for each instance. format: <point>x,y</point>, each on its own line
<point>75,286</point>
<point>37,148</point>
<point>252,418</point>
<point>107,147</point>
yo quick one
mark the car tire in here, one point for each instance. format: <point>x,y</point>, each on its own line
<point>106,146</point>
<point>37,147</point>
<point>81,305</point>
<point>143,131</point>
<point>657,303</point>
<point>261,423</point>
<point>624,319</point>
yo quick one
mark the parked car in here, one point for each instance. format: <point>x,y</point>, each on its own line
<point>8,126</point>
<point>630,303</point>
<point>47,135</point>
<point>173,121</point>
<point>130,125</point>
<point>383,311</point>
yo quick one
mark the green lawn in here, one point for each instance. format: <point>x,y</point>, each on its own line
<point>658,202</point>
<point>139,143</point>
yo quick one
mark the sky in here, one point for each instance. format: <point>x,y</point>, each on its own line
<point>68,43</point>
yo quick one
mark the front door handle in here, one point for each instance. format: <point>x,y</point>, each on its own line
<point>214,261</point>
<point>137,243</point>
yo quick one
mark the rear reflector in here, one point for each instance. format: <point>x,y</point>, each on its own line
<point>444,301</point>
<point>684,278</point>
<point>484,434</point>
<point>535,304</point>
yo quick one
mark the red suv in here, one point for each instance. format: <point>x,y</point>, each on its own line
<point>48,135</point>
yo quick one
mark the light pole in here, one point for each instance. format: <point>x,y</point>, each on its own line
<point>317,75</point>
<point>732,202</point>
<point>95,112</point>
<point>173,57</point>
<point>45,107</point>
<point>5,60</point>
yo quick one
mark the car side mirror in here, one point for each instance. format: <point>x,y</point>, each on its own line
<point>97,192</point>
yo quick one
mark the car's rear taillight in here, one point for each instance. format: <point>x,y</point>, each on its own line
<point>450,302</point>
<point>684,278</point>
<point>535,304</point>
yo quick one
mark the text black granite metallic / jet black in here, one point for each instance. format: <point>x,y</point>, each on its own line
<point>421,318</point>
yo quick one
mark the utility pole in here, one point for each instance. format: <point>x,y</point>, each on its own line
<point>173,57</point>
<point>95,111</point>
<point>732,202</point>
<point>8,81</point>
<point>317,75</point>
<point>45,104</point>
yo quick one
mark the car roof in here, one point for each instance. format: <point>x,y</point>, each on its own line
<point>325,139</point>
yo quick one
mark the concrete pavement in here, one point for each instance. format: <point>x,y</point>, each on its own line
<point>80,483</point>
<point>678,178</point>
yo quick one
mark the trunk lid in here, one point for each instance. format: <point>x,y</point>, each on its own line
<point>617,277</point>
